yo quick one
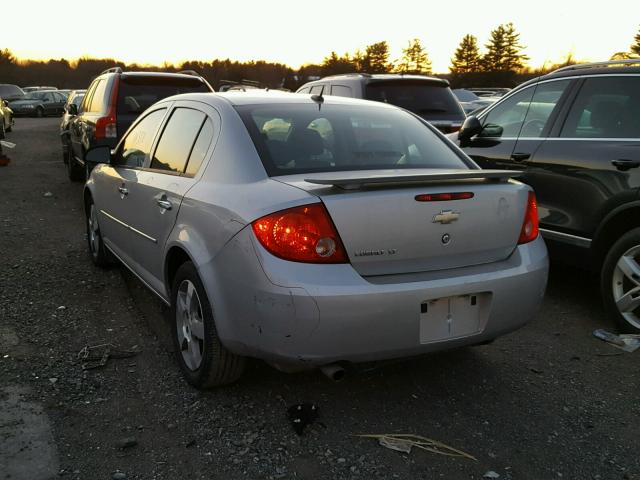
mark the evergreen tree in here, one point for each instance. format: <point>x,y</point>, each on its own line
<point>415,59</point>
<point>334,65</point>
<point>376,58</point>
<point>635,48</point>
<point>504,50</point>
<point>466,58</point>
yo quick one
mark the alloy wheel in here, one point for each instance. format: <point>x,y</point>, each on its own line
<point>190,325</point>
<point>626,286</point>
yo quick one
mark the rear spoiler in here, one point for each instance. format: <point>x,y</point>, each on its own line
<point>351,180</point>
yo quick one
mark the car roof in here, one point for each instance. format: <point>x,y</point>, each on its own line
<point>272,97</point>
<point>379,77</point>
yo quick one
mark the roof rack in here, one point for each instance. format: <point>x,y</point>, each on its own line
<point>609,63</point>
<point>193,73</point>
<point>112,70</point>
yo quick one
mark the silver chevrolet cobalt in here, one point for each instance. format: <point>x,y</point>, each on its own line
<point>312,231</point>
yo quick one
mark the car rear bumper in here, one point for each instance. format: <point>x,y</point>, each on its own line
<point>311,315</point>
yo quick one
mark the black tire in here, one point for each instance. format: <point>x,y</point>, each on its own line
<point>39,112</point>
<point>97,251</point>
<point>74,171</point>
<point>218,366</point>
<point>615,283</point>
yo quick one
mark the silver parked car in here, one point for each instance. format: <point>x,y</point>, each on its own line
<point>310,231</point>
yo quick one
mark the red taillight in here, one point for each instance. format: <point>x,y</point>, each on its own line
<point>529,230</point>
<point>443,197</point>
<point>301,234</point>
<point>106,126</point>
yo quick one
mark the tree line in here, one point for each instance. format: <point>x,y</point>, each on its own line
<point>504,63</point>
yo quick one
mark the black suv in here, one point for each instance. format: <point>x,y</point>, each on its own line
<point>575,135</point>
<point>113,101</point>
<point>429,97</point>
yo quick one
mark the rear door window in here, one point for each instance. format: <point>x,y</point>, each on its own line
<point>341,91</point>
<point>98,100</point>
<point>200,148</point>
<point>177,140</point>
<point>606,107</point>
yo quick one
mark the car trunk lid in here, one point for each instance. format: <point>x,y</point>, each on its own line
<point>402,221</point>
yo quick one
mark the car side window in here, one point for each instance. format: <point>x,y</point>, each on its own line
<point>606,107</point>
<point>507,117</point>
<point>341,91</point>
<point>177,140</point>
<point>86,101</point>
<point>544,102</point>
<point>98,100</point>
<point>137,144</point>
<point>316,89</point>
<point>48,98</point>
<point>200,148</point>
<point>304,90</point>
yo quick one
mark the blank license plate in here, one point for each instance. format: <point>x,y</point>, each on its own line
<point>450,317</point>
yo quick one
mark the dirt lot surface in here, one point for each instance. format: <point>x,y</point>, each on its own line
<point>546,402</point>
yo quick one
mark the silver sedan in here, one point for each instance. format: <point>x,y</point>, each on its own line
<point>312,231</point>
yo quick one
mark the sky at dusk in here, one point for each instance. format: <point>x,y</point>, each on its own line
<point>296,33</point>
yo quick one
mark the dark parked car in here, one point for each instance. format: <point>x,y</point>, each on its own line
<point>39,104</point>
<point>429,97</point>
<point>10,92</point>
<point>113,101</point>
<point>575,135</point>
<point>75,98</point>
<point>35,89</point>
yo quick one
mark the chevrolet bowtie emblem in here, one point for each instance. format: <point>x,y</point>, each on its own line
<point>446,216</point>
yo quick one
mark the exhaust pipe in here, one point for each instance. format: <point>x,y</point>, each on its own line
<point>333,371</point>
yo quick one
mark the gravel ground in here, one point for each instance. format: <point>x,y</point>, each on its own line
<point>546,402</point>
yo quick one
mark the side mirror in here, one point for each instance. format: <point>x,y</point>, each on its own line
<point>98,155</point>
<point>72,109</point>
<point>470,127</point>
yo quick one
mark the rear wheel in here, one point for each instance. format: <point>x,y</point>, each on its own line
<point>620,282</point>
<point>204,361</point>
<point>74,171</point>
<point>97,250</point>
<point>39,112</point>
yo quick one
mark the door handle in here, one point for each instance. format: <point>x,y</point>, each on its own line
<point>624,165</point>
<point>123,190</point>
<point>519,157</point>
<point>166,204</point>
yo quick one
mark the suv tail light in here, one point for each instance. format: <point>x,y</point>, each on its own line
<point>529,230</point>
<point>106,126</point>
<point>301,234</point>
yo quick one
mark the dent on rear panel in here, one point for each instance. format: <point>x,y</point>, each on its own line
<point>264,308</point>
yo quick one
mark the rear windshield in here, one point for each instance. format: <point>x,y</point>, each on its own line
<point>136,94</point>
<point>300,138</point>
<point>430,101</point>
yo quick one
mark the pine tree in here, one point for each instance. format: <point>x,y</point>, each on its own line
<point>376,58</point>
<point>415,59</point>
<point>635,48</point>
<point>503,50</point>
<point>466,58</point>
<point>334,65</point>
